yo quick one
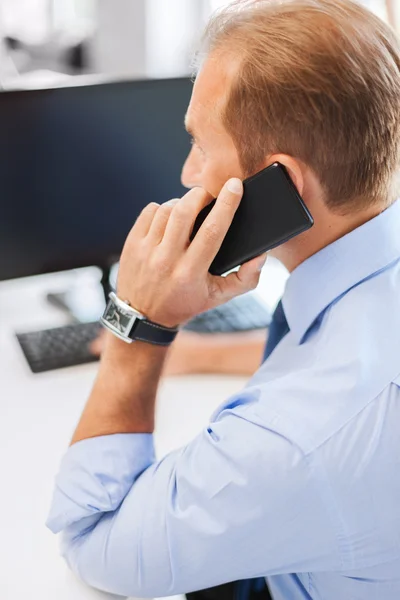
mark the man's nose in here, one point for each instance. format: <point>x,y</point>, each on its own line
<point>191,172</point>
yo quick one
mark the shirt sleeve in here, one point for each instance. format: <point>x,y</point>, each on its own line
<point>240,501</point>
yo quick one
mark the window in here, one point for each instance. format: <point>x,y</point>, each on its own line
<point>388,10</point>
<point>34,20</point>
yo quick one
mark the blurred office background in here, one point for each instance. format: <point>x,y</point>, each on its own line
<point>71,156</point>
<point>47,40</point>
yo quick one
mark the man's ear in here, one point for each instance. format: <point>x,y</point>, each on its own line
<point>293,167</point>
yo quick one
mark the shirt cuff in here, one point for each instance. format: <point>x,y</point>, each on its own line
<point>95,476</point>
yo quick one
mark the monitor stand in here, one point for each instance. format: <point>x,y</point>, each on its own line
<point>86,303</point>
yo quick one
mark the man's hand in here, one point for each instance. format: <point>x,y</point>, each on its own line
<point>166,277</point>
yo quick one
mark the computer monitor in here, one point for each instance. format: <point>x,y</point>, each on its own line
<point>78,164</point>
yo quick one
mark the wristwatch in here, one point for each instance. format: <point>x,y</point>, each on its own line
<point>129,324</point>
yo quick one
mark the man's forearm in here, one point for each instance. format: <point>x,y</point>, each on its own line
<point>230,353</point>
<point>123,397</point>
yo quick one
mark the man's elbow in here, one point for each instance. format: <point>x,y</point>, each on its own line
<point>91,570</point>
<point>110,574</point>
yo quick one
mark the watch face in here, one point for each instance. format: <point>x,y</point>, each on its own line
<point>118,318</point>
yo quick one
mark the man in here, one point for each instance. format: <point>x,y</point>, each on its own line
<point>234,353</point>
<point>296,477</point>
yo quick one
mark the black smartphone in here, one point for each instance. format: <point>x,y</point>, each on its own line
<point>270,213</point>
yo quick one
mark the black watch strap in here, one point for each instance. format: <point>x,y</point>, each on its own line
<point>147,331</point>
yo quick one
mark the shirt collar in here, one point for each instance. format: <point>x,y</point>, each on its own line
<point>329,273</point>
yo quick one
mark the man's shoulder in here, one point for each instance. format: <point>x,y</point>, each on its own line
<point>370,308</point>
<point>351,359</point>
<point>357,347</point>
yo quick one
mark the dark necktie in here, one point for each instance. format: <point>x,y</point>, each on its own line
<point>249,589</point>
<point>277,330</point>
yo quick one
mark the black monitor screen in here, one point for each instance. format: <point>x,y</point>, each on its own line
<point>78,164</point>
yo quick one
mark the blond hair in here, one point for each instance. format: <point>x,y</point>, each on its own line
<point>319,80</point>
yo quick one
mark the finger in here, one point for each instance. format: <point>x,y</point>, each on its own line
<point>210,236</point>
<point>181,221</point>
<point>241,281</point>
<point>160,220</point>
<point>144,220</point>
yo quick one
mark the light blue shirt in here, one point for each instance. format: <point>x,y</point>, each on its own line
<point>296,478</point>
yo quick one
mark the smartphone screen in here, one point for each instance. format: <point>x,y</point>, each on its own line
<point>270,213</point>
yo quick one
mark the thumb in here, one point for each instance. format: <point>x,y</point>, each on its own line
<point>244,280</point>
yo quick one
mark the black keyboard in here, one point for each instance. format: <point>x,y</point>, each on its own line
<point>243,313</point>
<point>69,345</point>
<point>59,347</point>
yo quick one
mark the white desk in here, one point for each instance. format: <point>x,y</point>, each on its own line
<point>37,416</point>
